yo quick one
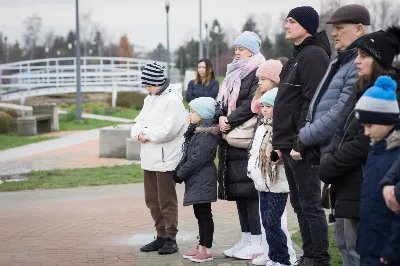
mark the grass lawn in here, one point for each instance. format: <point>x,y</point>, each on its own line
<point>126,113</point>
<point>8,141</point>
<point>68,122</point>
<point>77,177</point>
<point>336,258</point>
<point>87,124</point>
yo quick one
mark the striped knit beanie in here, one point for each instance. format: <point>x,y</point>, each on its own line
<point>153,75</point>
<point>378,105</point>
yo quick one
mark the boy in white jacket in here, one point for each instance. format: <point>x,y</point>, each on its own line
<point>160,127</point>
<point>270,180</point>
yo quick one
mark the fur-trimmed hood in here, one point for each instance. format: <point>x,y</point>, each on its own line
<point>393,140</point>
<point>214,130</point>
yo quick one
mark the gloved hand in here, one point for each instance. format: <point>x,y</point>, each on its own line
<point>176,178</point>
<point>274,156</point>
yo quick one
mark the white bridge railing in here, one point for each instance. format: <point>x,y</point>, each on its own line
<point>58,75</point>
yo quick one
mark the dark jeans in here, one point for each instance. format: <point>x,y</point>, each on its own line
<point>272,206</point>
<point>249,215</point>
<point>305,197</point>
<point>206,224</point>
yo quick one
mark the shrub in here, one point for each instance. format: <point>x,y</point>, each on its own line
<point>64,105</point>
<point>129,99</point>
<point>68,117</point>
<point>11,112</point>
<point>7,123</point>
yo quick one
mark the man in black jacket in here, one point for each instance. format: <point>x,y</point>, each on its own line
<point>299,80</point>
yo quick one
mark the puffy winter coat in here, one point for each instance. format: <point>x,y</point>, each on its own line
<point>200,90</point>
<point>342,162</point>
<point>379,227</point>
<point>197,169</point>
<point>233,181</point>
<point>253,167</point>
<point>299,79</point>
<point>162,120</point>
<point>329,99</point>
<point>392,178</point>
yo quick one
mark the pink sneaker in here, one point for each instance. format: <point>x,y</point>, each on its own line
<point>202,256</point>
<point>191,253</point>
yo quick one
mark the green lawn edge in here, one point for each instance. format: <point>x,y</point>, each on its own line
<point>68,178</point>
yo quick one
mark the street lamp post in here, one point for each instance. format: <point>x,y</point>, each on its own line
<point>6,50</point>
<point>78,67</point>
<point>169,57</point>
<point>216,31</point>
<point>201,37</point>
<point>207,43</point>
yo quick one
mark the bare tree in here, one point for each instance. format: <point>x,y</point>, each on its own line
<point>384,13</point>
<point>87,31</point>
<point>33,27</point>
<point>48,38</point>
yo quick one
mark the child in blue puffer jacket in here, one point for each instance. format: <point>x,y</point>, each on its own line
<point>379,228</point>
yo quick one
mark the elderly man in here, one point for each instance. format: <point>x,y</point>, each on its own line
<point>322,120</point>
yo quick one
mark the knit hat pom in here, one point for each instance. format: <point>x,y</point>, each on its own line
<point>395,30</point>
<point>386,83</point>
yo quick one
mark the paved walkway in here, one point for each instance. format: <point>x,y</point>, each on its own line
<point>77,150</point>
<point>102,226</point>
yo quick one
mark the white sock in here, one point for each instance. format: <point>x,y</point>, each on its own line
<point>208,250</point>
<point>256,240</point>
<point>246,237</point>
<point>199,247</point>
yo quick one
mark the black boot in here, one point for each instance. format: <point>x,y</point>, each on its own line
<point>155,245</point>
<point>169,247</point>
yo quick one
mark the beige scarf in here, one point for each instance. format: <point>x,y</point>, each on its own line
<point>268,170</point>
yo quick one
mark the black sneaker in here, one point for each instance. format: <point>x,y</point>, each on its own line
<point>304,261</point>
<point>155,245</point>
<point>169,247</point>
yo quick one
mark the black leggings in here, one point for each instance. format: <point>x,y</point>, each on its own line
<point>206,224</point>
<point>249,215</point>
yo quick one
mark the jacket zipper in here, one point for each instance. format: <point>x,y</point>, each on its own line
<point>311,110</point>
<point>347,121</point>
<point>162,153</point>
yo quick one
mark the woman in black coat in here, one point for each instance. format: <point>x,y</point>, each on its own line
<point>205,84</point>
<point>234,109</point>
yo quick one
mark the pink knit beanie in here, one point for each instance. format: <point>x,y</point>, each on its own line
<point>270,69</point>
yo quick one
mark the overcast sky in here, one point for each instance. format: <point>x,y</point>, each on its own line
<point>144,21</point>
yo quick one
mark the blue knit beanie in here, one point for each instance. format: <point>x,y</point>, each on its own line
<point>204,107</point>
<point>378,105</point>
<point>307,17</point>
<point>269,97</point>
<point>249,40</point>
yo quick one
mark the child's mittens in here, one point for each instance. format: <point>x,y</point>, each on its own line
<point>274,156</point>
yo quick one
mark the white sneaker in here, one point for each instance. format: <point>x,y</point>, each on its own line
<point>272,263</point>
<point>249,252</point>
<point>260,260</point>
<point>293,258</point>
<point>238,246</point>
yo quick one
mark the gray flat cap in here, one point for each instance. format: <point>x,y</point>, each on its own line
<point>354,14</point>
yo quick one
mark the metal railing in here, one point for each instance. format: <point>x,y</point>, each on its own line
<point>58,75</point>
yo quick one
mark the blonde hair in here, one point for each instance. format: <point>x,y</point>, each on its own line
<point>260,92</point>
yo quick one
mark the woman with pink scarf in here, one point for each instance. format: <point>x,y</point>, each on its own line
<point>237,92</point>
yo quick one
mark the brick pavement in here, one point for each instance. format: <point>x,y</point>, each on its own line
<point>101,226</point>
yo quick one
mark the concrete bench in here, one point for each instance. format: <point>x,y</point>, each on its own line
<point>133,150</point>
<point>44,119</point>
<point>113,142</point>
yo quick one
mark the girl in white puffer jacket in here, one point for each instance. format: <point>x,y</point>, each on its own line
<point>271,182</point>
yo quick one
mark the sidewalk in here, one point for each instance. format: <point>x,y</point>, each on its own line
<point>77,150</point>
<point>102,226</point>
